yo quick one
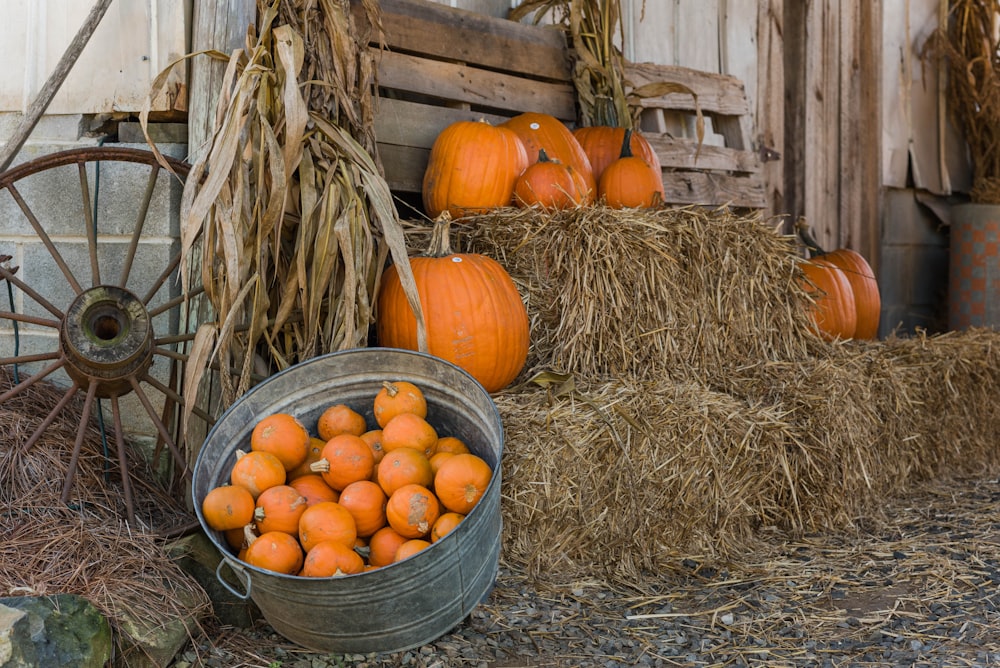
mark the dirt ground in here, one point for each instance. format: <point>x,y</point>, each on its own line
<point>921,589</point>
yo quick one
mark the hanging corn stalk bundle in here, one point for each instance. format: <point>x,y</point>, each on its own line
<point>287,221</point>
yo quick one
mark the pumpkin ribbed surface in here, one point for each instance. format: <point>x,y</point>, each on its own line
<point>472,168</point>
<point>473,313</point>
<point>833,314</point>
<point>541,131</point>
<point>867,299</point>
<point>603,145</point>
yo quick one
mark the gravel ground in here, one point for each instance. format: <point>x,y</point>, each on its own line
<point>922,590</point>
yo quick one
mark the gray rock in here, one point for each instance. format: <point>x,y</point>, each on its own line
<point>148,642</point>
<point>61,630</point>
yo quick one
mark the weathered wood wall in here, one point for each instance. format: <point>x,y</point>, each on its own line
<point>135,40</point>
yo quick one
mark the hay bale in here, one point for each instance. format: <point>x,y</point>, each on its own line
<point>623,477</point>
<point>645,293</point>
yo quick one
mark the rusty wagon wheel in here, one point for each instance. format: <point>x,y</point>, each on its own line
<point>106,334</point>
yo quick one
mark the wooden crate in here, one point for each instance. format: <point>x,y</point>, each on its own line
<point>727,169</point>
<point>442,65</point>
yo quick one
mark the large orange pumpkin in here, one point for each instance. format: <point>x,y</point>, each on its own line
<point>833,313</point>
<point>864,285</point>
<point>473,312</point>
<point>603,145</point>
<point>538,131</point>
<point>471,169</point>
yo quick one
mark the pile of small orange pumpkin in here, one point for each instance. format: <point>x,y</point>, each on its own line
<point>348,499</point>
<point>534,159</point>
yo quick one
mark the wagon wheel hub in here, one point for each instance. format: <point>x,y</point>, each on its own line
<point>107,338</point>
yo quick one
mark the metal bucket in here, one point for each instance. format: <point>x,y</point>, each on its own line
<point>400,606</point>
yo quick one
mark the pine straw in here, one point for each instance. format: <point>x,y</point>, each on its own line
<point>677,403</point>
<point>84,547</point>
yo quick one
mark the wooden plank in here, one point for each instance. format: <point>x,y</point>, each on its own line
<point>717,93</point>
<point>424,27</point>
<point>680,153</point>
<point>712,189</point>
<point>405,123</point>
<point>770,103</point>
<point>484,88</point>
<point>222,26</point>
<point>404,167</point>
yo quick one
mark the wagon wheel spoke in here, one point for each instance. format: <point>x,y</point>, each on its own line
<point>161,428</point>
<point>24,287</point>
<point>81,432</point>
<point>50,418</point>
<point>44,238</point>
<point>140,224</point>
<point>116,416</point>
<point>88,216</point>
<point>28,382</point>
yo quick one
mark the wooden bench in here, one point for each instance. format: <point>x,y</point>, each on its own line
<point>443,65</point>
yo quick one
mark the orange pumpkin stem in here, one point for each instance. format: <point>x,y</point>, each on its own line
<point>807,238</point>
<point>627,144</point>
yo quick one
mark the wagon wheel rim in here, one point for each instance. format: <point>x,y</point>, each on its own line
<point>110,328</point>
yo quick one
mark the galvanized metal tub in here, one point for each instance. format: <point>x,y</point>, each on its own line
<point>396,607</point>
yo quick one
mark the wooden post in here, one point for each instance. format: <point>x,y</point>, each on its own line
<point>220,25</point>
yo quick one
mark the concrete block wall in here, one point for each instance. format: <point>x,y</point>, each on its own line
<point>55,198</point>
<point>913,272</point>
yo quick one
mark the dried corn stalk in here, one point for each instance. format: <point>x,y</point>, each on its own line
<point>287,221</point>
<point>967,46</point>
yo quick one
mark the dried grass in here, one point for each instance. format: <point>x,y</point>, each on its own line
<point>676,401</point>
<point>85,547</point>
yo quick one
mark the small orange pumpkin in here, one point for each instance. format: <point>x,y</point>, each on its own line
<point>444,524</point>
<point>314,489</point>
<point>410,548</point>
<point>346,458</point>
<point>461,482</point>
<point>365,500</point>
<point>409,430</point>
<point>382,546</point>
<point>283,436</point>
<point>404,466</point>
<point>279,509</point>
<point>275,551</point>
<point>398,397</point>
<point>256,471</point>
<point>340,419</point>
<point>412,511</point>
<point>228,507</point>
<point>331,558</point>
<point>327,521</point>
